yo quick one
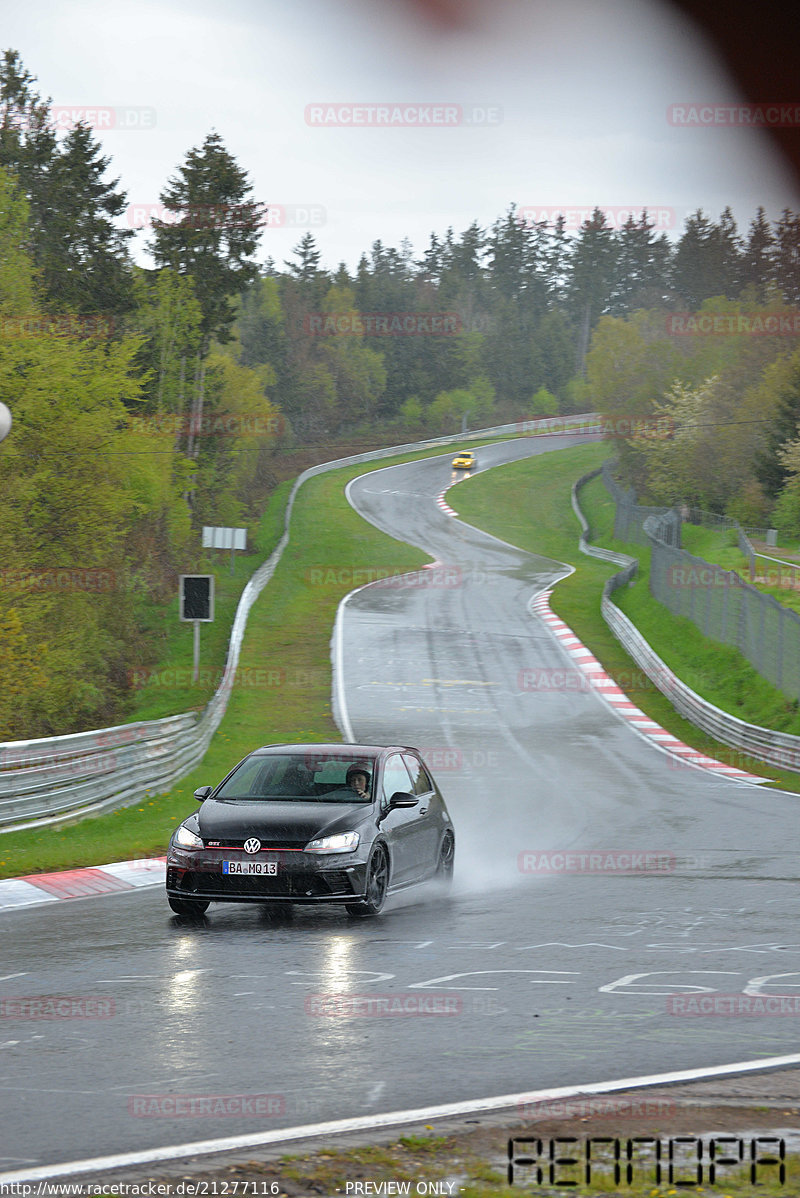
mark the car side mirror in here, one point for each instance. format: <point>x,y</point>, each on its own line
<point>202,793</point>
<point>402,798</point>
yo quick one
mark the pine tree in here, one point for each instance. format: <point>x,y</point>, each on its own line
<point>429,268</point>
<point>306,269</point>
<point>27,139</point>
<point>707,261</point>
<point>81,255</point>
<point>216,232</point>
<point>592,276</point>
<point>787,256</point>
<point>213,242</point>
<point>642,267</point>
<point>758,257</point>
<point>556,260</point>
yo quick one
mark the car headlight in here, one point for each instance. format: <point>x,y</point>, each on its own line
<point>343,842</point>
<point>186,839</point>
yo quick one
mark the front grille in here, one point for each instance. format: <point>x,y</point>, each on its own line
<point>280,886</point>
<point>237,843</point>
<point>285,885</point>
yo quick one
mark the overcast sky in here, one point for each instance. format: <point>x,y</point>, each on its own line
<point>574,96</point>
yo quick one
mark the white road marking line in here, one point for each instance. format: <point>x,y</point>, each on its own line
<point>375,1119</point>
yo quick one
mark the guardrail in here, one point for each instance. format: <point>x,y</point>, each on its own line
<point>58,778</point>
<point>781,749</point>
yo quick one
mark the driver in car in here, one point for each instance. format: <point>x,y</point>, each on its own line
<point>358,780</point>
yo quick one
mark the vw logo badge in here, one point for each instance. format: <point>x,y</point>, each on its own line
<point>252,845</point>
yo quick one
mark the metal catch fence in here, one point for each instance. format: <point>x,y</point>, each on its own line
<point>781,749</point>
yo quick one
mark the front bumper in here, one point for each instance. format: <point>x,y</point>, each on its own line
<point>301,878</point>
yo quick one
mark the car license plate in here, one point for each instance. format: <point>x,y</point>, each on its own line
<point>250,867</point>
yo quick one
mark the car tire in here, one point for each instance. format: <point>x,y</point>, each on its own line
<point>377,886</point>
<point>446,862</point>
<point>188,906</point>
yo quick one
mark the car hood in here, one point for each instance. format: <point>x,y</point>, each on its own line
<point>280,823</point>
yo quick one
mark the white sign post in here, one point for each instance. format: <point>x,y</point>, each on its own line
<point>224,538</point>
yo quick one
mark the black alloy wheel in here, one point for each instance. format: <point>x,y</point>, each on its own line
<point>447,856</point>
<point>377,885</point>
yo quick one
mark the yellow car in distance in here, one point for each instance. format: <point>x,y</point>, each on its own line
<point>465,461</point>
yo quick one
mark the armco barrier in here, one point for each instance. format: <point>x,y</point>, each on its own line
<point>64,777</point>
<point>780,749</point>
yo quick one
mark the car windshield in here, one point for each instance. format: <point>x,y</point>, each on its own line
<point>302,778</point>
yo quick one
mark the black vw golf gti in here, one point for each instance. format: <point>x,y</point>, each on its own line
<point>313,824</point>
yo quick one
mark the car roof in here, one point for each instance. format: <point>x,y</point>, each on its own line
<point>355,750</point>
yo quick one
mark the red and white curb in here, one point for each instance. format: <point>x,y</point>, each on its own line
<point>440,498</point>
<point>606,688</point>
<point>442,503</point>
<point>81,883</point>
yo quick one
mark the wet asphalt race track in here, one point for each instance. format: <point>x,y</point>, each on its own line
<point>551,979</point>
